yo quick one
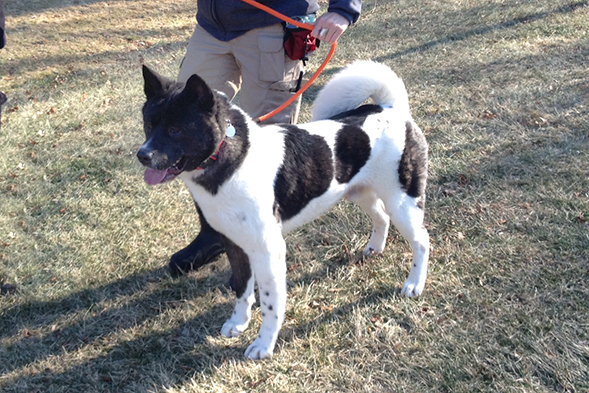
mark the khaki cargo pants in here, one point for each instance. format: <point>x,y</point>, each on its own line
<point>255,64</point>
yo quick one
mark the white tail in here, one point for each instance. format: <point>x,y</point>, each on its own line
<point>359,81</point>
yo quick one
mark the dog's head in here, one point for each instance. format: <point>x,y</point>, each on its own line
<point>181,124</point>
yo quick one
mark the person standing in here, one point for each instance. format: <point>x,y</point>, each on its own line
<point>238,48</point>
<point>2,25</point>
<point>2,43</point>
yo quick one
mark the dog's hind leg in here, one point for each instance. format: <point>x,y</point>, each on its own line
<point>270,271</point>
<point>243,279</point>
<point>374,207</point>
<point>407,217</point>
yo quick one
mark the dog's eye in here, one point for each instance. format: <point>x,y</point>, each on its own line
<point>174,131</point>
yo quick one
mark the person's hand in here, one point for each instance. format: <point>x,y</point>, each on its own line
<point>329,27</point>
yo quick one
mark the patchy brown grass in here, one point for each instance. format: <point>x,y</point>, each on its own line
<point>501,90</point>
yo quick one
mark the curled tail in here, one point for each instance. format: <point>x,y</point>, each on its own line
<point>359,81</point>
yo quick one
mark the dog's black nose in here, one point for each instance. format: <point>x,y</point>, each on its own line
<point>145,156</point>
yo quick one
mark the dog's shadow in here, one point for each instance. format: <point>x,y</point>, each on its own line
<point>145,298</point>
<point>182,350</point>
<point>96,319</point>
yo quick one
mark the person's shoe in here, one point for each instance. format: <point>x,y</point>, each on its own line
<point>206,248</point>
<point>2,102</point>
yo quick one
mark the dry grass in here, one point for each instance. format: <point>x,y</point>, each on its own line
<point>501,89</point>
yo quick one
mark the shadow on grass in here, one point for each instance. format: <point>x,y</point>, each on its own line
<point>90,330</point>
<point>159,359</point>
<point>91,62</point>
<point>313,90</point>
<point>177,353</point>
<point>463,36</point>
<point>15,9</point>
<point>458,36</point>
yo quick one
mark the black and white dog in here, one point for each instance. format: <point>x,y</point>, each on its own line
<point>254,183</point>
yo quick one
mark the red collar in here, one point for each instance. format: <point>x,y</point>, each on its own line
<point>213,157</point>
<point>229,133</point>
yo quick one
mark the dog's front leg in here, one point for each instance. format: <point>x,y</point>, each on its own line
<point>244,289</point>
<point>270,271</point>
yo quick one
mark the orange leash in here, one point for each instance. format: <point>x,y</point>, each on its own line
<point>315,75</point>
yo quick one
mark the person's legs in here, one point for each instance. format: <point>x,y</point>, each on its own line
<point>205,248</point>
<point>269,77</point>
<point>2,102</point>
<point>257,62</point>
<point>212,60</point>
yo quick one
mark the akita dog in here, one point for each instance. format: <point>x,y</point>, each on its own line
<point>254,183</point>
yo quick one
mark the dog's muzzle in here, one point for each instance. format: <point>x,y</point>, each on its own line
<point>157,166</point>
<point>145,156</point>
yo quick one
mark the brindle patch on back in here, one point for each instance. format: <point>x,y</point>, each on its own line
<point>305,174</point>
<point>413,164</point>
<point>352,144</point>
<point>352,150</point>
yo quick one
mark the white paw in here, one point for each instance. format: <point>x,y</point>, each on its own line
<point>233,329</point>
<point>412,289</point>
<point>258,350</point>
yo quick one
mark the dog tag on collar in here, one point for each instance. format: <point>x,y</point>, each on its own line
<point>230,132</point>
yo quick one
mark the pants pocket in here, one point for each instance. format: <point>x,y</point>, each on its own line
<point>272,61</point>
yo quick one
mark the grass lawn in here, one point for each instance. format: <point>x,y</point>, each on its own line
<point>501,89</point>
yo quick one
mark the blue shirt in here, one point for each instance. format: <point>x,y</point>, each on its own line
<point>228,19</point>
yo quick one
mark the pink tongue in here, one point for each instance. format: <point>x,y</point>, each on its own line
<point>153,176</point>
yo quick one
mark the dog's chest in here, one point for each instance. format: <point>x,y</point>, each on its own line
<point>248,193</point>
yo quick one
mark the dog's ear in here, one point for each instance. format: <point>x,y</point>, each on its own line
<point>196,90</point>
<point>155,84</point>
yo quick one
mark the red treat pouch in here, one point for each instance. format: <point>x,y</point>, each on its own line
<point>298,43</point>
